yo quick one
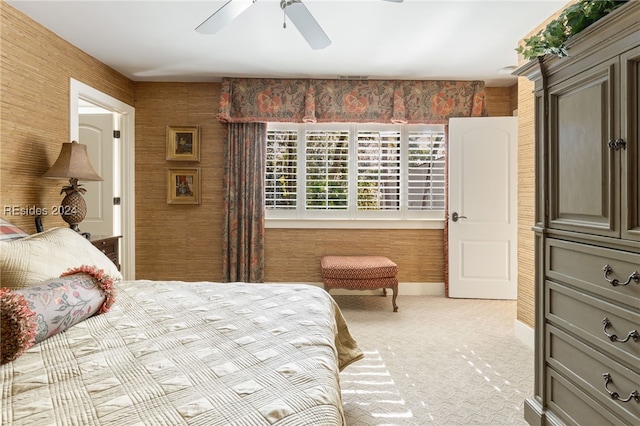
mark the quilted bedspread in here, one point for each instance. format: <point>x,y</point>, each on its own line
<point>177,353</point>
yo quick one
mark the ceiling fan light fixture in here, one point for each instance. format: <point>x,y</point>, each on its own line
<point>508,70</point>
<point>305,23</point>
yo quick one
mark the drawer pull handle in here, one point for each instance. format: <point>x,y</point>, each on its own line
<point>633,334</point>
<point>635,276</point>
<point>615,395</point>
<point>616,144</point>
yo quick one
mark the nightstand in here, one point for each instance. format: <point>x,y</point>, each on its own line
<point>109,245</point>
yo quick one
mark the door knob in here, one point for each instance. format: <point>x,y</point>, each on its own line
<point>455,216</point>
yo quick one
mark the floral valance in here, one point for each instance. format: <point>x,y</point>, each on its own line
<point>354,101</point>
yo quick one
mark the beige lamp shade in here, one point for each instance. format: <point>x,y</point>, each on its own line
<point>73,162</point>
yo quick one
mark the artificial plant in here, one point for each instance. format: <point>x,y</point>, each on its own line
<point>572,20</point>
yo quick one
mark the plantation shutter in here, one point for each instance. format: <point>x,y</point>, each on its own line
<point>426,171</point>
<point>378,170</point>
<point>281,170</point>
<point>327,169</point>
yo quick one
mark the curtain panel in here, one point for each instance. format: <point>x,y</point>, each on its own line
<point>245,100</point>
<point>243,180</point>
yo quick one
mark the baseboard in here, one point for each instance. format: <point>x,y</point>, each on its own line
<point>404,289</point>
<point>524,333</point>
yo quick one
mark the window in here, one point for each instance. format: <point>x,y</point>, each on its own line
<point>346,171</point>
<point>326,156</point>
<point>378,170</point>
<point>282,169</point>
<point>425,170</point>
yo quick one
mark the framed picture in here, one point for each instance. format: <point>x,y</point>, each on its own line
<point>183,143</point>
<point>183,186</point>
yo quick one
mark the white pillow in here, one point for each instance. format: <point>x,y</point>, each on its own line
<point>46,255</point>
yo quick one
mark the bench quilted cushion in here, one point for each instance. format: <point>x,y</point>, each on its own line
<point>358,267</point>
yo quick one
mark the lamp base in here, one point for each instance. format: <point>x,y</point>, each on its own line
<point>73,209</point>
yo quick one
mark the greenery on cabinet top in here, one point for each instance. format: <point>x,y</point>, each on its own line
<point>572,20</point>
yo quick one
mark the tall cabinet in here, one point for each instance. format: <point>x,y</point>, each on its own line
<point>588,227</point>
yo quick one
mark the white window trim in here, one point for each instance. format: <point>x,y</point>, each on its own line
<point>403,219</point>
<point>355,224</point>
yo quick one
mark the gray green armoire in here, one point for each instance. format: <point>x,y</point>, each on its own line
<point>587,227</point>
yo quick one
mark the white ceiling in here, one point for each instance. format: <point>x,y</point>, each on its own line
<point>416,39</point>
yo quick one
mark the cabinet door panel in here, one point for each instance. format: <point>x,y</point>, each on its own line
<point>582,166</point>
<point>630,81</point>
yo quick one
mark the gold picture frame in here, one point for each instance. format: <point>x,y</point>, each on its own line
<point>183,143</point>
<point>183,186</point>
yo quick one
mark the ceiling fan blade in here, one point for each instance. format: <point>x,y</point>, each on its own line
<point>223,16</point>
<point>305,23</point>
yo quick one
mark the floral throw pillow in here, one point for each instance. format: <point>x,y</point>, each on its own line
<point>32,314</point>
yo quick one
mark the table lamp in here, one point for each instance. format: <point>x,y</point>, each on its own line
<point>73,163</point>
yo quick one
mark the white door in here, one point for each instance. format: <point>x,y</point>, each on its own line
<point>96,131</point>
<point>483,194</point>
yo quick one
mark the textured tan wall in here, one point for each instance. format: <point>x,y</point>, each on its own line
<point>34,114</point>
<point>526,203</point>
<point>514,98</point>
<point>501,101</point>
<point>526,193</point>
<point>180,242</point>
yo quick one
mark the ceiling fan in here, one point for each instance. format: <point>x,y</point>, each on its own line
<point>295,10</point>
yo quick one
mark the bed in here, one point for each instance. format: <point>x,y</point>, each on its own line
<point>173,353</point>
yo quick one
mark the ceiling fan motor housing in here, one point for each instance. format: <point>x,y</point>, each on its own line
<point>285,3</point>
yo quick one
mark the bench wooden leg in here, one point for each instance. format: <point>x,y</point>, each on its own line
<point>393,300</point>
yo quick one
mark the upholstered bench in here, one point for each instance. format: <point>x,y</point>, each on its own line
<point>360,273</point>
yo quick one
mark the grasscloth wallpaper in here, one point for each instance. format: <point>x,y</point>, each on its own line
<point>177,242</point>
<point>184,242</point>
<point>526,193</point>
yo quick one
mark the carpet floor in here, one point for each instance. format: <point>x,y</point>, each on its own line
<point>437,361</point>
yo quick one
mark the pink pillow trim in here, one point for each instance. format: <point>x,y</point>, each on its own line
<point>105,282</point>
<point>19,325</point>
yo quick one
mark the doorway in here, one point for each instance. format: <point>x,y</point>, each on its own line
<point>81,94</point>
<point>98,131</point>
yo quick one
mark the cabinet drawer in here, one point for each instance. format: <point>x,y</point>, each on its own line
<point>573,406</point>
<point>585,367</point>
<point>108,247</point>
<point>581,266</point>
<point>583,315</point>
